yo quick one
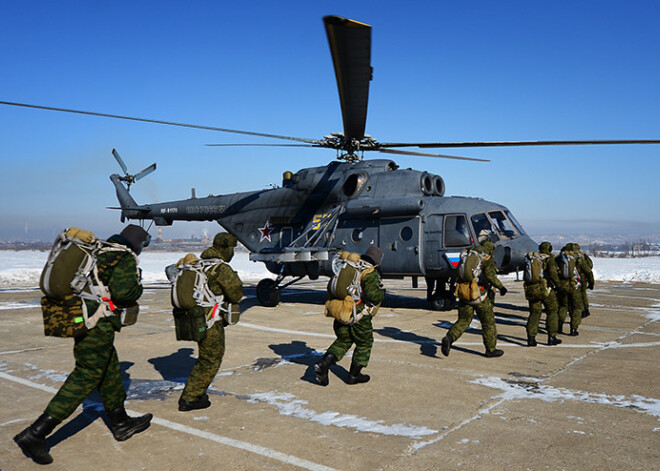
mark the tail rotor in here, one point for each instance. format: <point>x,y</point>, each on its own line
<point>128,178</point>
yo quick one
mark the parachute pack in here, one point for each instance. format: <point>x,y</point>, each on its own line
<point>69,277</point>
<point>345,290</point>
<point>567,264</point>
<point>469,271</point>
<point>536,286</point>
<point>189,278</point>
<point>533,271</point>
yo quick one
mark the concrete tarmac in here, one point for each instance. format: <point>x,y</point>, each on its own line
<point>591,403</point>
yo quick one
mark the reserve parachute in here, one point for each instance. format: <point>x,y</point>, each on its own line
<point>345,289</point>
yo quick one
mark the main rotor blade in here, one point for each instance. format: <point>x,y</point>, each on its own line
<point>156,121</point>
<point>423,154</point>
<point>262,145</point>
<point>120,161</point>
<point>350,46</point>
<point>424,145</point>
<point>145,172</point>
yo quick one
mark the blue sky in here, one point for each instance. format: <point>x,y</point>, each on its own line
<point>443,71</point>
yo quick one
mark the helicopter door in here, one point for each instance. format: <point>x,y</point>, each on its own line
<point>432,242</point>
<point>399,241</point>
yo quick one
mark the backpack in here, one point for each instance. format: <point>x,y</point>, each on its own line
<point>533,270</point>
<point>69,277</point>
<point>189,278</point>
<point>345,289</point>
<point>469,270</point>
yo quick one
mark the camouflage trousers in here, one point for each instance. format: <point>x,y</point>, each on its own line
<point>97,366</point>
<point>551,315</point>
<point>585,297</point>
<point>570,301</point>
<point>486,317</point>
<point>361,334</point>
<point>211,351</point>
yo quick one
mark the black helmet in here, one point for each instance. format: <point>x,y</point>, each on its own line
<point>137,237</point>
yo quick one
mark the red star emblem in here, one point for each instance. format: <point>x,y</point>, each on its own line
<point>265,232</point>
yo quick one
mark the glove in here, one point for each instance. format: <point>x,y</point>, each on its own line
<point>590,286</point>
<point>503,291</point>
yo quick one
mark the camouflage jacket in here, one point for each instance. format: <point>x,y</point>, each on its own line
<point>551,271</point>
<point>118,271</point>
<point>222,280</point>
<point>372,289</point>
<point>582,264</point>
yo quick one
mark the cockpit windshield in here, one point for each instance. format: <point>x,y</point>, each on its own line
<point>482,226</point>
<point>515,222</point>
<point>503,226</point>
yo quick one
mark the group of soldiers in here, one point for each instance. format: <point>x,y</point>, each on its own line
<point>97,364</point>
<point>560,289</point>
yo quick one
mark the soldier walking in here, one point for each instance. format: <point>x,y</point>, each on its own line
<point>540,293</point>
<point>483,305</point>
<point>569,296</point>
<point>361,332</point>
<point>585,268</point>
<point>97,364</point>
<point>224,284</point>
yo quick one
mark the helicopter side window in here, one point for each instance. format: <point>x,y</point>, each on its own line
<point>503,225</point>
<point>480,222</point>
<point>457,233</point>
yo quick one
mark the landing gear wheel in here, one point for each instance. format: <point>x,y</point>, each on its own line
<point>443,302</point>
<point>268,293</point>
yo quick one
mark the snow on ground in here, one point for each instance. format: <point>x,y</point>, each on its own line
<point>22,269</point>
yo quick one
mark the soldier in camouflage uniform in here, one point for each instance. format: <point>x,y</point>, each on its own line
<point>361,333</point>
<point>551,276</point>
<point>484,309</point>
<point>585,268</point>
<point>569,296</point>
<point>97,365</point>
<point>223,281</point>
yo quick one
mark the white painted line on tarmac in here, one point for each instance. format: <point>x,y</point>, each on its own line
<point>458,343</point>
<point>256,449</point>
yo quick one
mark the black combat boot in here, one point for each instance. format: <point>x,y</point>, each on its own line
<point>494,353</point>
<point>354,375</point>
<point>447,341</point>
<point>124,427</point>
<point>531,341</point>
<point>585,312</point>
<point>323,366</point>
<point>553,340</point>
<point>32,440</point>
<point>201,403</point>
<point>574,332</point>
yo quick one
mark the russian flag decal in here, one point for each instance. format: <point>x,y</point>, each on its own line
<point>453,258</point>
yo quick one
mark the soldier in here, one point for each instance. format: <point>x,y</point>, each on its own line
<point>360,333</point>
<point>222,281</point>
<point>569,296</point>
<point>97,365</point>
<point>585,268</point>
<point>484,308</point>
<point>540,293</point>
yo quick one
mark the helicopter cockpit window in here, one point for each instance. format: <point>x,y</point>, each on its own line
<point>515,222</point>
<point>503,225</point>
<point>480,222</point>
<point>457,233</point>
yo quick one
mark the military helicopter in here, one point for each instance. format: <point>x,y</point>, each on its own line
<point>296,229</point>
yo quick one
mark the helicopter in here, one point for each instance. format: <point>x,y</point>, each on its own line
<point>297,228</point>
